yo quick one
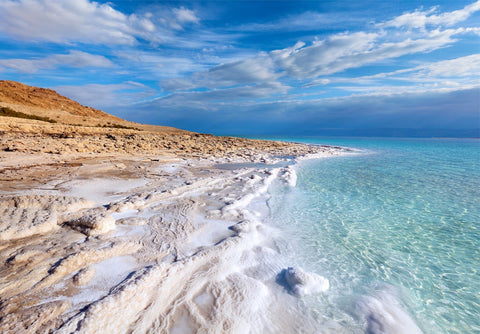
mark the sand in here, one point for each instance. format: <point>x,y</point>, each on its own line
<point>161,237</point>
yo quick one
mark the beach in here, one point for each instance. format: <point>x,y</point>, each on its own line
<point>170,242</point>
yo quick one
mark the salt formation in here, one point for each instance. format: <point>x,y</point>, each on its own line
<point>302,283</point>
<point>245,226</point>
<point>84,276</point>
<point>182,251</point>
<point>93,225</point>
<point>26,215</point>
<point>290,176</point>
<point>42,254</point>
<point>23,222</point>
<point>384,314</point>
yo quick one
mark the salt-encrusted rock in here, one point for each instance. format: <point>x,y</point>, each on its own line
<point>302,283</point>
<point>45,202</point>
<point>290,176</point>
<point>139,221</point>
<point>34,319</point>
<point>26,215</point>
<point>93,225</point>
<point>245,226</point>
<point>83,276</point>
<point>18,223</point>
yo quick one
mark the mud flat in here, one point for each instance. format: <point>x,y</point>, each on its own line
<point>168,242</point>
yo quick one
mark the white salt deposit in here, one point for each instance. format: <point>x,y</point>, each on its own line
<point>244,201</point>
<point>329,152</point>
<point>124,214</point>
<point>384,314</point>
<point>166,257</point>
<point>17,223</point>
<point>102,190</point>
<point>302,283</point>
<point>290,175</point>
<point>102,276</point>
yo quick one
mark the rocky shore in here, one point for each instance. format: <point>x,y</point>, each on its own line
<point>115,242</point>
<point>34,137</point>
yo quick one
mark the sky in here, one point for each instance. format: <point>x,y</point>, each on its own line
<point>258,68</point>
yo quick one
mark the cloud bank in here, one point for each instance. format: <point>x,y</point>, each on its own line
<point>433,113</point>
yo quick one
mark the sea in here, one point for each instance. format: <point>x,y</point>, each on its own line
<point>395,229</point>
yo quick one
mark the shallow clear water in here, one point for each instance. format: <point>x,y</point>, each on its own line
<point>400,223</point>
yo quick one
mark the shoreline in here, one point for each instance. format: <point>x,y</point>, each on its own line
<point>165,241</point>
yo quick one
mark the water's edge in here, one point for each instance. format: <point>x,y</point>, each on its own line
<point>395,231</point>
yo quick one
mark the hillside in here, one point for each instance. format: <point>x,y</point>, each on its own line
<point>17,93</point>
<point>36,120</point>
<point>44,103</point>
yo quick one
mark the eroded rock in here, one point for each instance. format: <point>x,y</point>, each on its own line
<point>93,225</point>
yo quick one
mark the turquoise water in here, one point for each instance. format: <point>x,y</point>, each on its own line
<point>397,227</point>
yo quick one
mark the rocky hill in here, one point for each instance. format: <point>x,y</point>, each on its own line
<point>17,93</point>
<point>46,104</point>
<point>36,120</point>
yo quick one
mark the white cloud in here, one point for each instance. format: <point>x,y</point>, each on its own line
<point>71,21</point>
<point>185,15</point>
<point>85,21</point>
<point>81,59</point>
<point>323,57</point>
<point>467,66</point>
<point>250,70</point>
<point>421,19</point>
<point>176,18</point>
<point>254,70</point>
<point>247,92</point>
<point>152,64</point>
<point>459,67</point>
<point>332,55</point>
<point>102,96</point>
<point>475,30</point>
<point>341,52</point>
<point>73,59</point>
<point>306,21</point>
<point>458,73</point>
<point>443,86</point>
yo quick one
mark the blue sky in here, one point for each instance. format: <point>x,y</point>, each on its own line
<point>406,68</point>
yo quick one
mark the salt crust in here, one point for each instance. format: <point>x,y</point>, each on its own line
<point>51,245</point>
